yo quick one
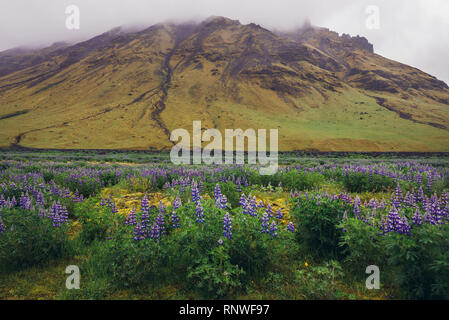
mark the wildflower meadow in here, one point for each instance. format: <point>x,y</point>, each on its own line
<point>144,229</point>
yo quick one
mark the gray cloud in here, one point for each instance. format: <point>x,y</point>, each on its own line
<point>415,32</point>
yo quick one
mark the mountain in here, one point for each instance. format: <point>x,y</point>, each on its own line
<point>129,90</point>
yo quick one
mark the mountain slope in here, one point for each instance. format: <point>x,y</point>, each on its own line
<point>129,90</point>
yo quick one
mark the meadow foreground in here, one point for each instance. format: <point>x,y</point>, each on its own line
<point>151,230</point>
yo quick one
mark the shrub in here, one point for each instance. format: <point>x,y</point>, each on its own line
<point>420,262</point>
<point>318,230</point>
<point>362,246</point>
<point>30,240</point>
<point>214,275</point>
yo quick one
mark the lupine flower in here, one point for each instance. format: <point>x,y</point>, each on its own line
<point>2,226</point>
<point>265,225</point>
<point>145,205</point>
<point>217,192</point>
<point>175,220</point>
<point>131,218</point>
<point>223,202</point>
<point>114,208</point>
<point>242,201</point>
<point>429,182</point>
<point>177,203</point>
<point>227,226</point>
<point>417,218</point>
<point>420,196</point>
<point>269,211</point>
<point>273,229</point>
<point>25,202</point>
<point>139,233</point>
<point>199,213</point>
<point>429,218</point>
<point>109,201</point>
<point>403,226</point>
<point>63,214</point>
<point>253,203</point>
<point>158,228</point>
<point>392,220</point>
<point>247,208</point>
<point>279,214</point>
<point>397,197</point>
<point>239,186</point>
<point>195,192</point>
<point>220,241</point>
<point>291,227</point>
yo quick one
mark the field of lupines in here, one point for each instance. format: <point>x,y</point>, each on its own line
<point>152,231</point>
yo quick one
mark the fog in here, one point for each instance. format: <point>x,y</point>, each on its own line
<point>415,32</point>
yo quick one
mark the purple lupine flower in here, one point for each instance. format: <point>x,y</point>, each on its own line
<point>195,192</point>
<point>247,208</point>
<point>409,199</point>
<point>397,197</point>
<point>420,196</point>
<point>109,201</point>
<point>444,198</point>
<point>131,218</point>
<point>25,202</point>
<point>114,208</point>
<point>40,201</point>
<point>158,228</point>
<point>269,211</point>
<point>199,212</point>
<point>429,182</point>
<point>446,212</point>
<point>227,226</point>
<point>403,226</point>
<point>145,205</point>
<point>429,218</point>
<point>383,204</point>
<point>139,233</point>
<point>239,186</point>
<point>291,227</point>
<point>279,214</point>
<point>217,192</point>
<point>436,211</point>
<point>223,202</point>
<point>175,220</point>
<point>273,229</point>
<point>63,214</point>
<point>102,202</point>
<point>417,218</point>
<point>2,225</point>
<point>265,225</point>
<point>253,203</point>
<point>177,203</point>
<point>392,220</point>
<point>242,201</point>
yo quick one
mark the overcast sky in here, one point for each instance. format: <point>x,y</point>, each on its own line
<point>415,32</point>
